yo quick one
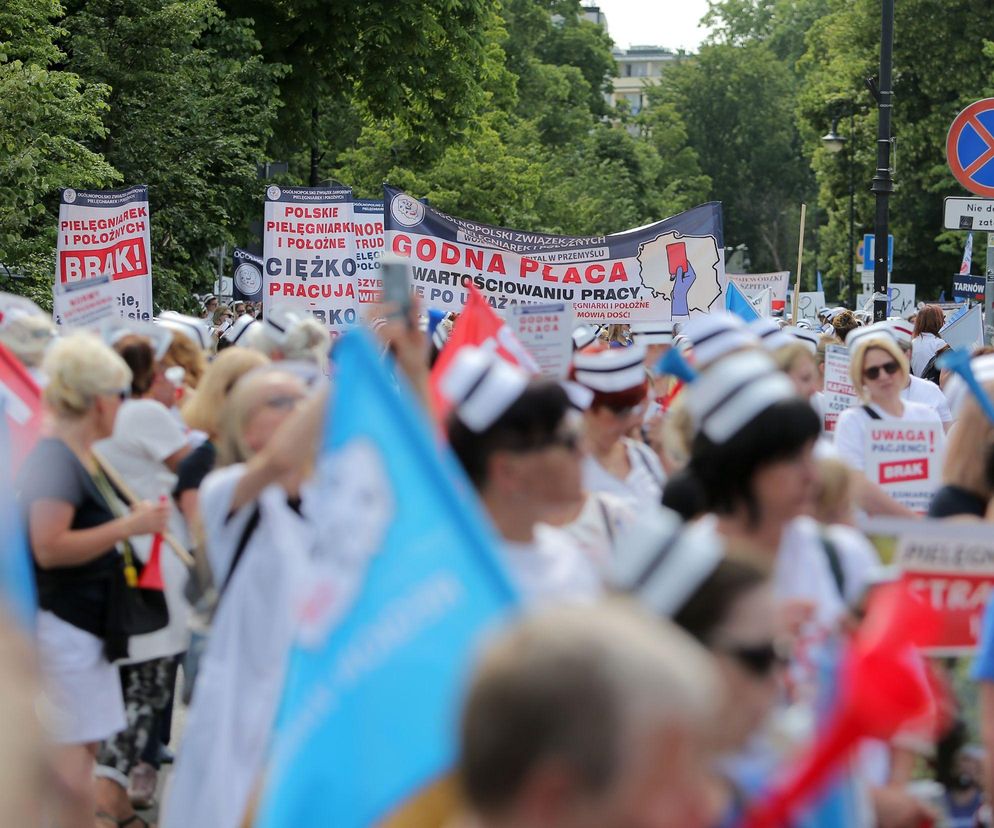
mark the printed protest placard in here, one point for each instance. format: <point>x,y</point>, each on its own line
<point>839,393</point>
<point>951,565</point>
<point>546,332</point>
<point>309,253</point>
<point>906,460</point>
<point>753,285</point>
<point>368,224</point>
<point>107,233</point>
<point>86,304</point>
<point>670,269</point>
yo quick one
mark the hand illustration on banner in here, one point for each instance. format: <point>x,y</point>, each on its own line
<point>683,275</point>
<point>682,270</point>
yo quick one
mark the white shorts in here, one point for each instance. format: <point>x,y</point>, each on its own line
<point>84,688</point>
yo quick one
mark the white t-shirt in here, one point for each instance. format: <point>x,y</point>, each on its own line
<point>928,393</point>
<point>803,572</point>
<point>923,348</point>
<point>850,433</point>
<point>642,487</point>
<point>243,668</point>
<point>145,434</point>
<point>603,519</point>
<point>551,568</point>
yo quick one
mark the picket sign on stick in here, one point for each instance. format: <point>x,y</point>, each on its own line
<point>132,499</point>
<point>800,254</point>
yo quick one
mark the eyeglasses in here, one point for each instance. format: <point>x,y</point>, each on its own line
<point>890,367</point>
<point>758,659</point>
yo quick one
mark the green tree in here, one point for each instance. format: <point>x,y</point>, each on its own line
<point>737,102</point>
<point>192,105</point>
<point>47,117</point>
<point>940,66</point>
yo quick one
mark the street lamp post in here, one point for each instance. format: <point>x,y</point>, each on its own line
<point>883,183</point>
<point>834,144</point>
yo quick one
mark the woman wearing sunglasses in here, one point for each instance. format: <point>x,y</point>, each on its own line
<point>879,373</point>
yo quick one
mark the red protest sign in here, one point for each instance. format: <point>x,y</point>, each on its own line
<point>20,399</point>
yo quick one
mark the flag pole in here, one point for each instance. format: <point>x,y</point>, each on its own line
<point>800,254</point>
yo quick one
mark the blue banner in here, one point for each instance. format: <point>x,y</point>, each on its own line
<point>968,287</point>
<point>17,584</point>
<point>369,709</point>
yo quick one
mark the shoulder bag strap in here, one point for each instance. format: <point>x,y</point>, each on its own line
<point>871,413</point>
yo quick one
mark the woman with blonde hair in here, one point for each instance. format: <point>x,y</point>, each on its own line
<point>258,548</point>
<point>203,413</point>
<point>879,373</point>
<point>76,523</point>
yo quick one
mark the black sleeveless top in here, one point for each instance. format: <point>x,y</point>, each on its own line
<point>79,595</point>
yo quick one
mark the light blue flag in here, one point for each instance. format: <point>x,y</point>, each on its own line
<point>17,585</point>
<point>738,303</point>
<point>818,287</point>
<point>369,710</point>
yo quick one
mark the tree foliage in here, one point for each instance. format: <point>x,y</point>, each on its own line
<point>496,112</point>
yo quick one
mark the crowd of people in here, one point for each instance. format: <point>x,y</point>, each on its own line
<point>681,529</point>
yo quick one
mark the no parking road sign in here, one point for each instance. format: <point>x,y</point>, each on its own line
<point>970,147</point>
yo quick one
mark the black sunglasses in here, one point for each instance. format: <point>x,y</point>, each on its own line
<point>890,367</point>
<point>758,659</point>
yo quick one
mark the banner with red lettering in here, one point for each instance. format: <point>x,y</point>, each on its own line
<point>667,270</point>
<point>951,566</point>
<point>309,253</point>
<point>368,223</point>
<point>106,233</point>
<point>906,460</point>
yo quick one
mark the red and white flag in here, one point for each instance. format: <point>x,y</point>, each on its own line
<point>478,325</point>
<point>20,399</point>
<point>964,268</point>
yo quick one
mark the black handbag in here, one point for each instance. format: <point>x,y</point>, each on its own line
<point>132,609</point>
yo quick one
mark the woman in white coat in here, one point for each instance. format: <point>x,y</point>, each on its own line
<point>258,547</point>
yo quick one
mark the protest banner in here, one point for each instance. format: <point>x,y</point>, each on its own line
<point>309,253</point>
<point>246,279</point>
<point>86,304</point>
<point>406,581</point>
<point>839,393</point>
<point>107,233</point>
<point>951,565</point>
<point>669,269</point>
<point>966,287</point>
<point>368,218</point>
<point>905,458</point>
<point>948,563</point>
<point>753,285</point>
<point>546,331</point>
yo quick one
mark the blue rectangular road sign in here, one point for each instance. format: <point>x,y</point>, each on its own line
<point>868,252</point>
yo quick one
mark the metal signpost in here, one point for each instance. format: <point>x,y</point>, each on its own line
<point>970,154</point>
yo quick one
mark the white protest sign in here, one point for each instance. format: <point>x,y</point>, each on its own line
<point>368,223</point>
<point>839,393</point>
<point>966,331</point>
<point>753,284</point>
<point>86,304</point>
<point>905,458</point>
<point>107,233</point>
<point>763,303</point>
<point>902,299</point>
<point>951,566</point>
<point>309,253</point>
<point>546,332</point>
<point>809,303</point>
